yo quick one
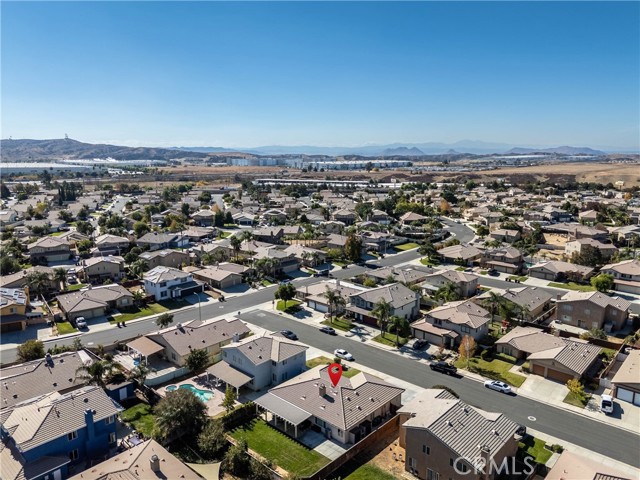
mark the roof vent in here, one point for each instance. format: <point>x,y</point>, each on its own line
<point>86,400</point>
<point>371,398</point>
<point>449,424</point>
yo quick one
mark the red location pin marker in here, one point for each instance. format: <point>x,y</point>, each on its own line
<point>335,372</point>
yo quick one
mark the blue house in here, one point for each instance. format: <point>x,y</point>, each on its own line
<point>44,438</point>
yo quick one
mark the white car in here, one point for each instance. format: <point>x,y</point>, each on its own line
<point>606,404</point>
<point>340,353</point>
<point>497,386</point>
<point>81,322</point>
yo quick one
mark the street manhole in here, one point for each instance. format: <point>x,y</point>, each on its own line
<point>531,419</point>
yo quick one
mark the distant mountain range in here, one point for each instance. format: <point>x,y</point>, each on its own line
<point>26,150</point>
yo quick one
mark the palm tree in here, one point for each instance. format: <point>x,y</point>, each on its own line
<point>60,276</point>
<point>493,301</point>
<point>137,268</point>
<point>97,373</point>
<point>138,297</point>
<point>382,310</point>
<point>139,374</point>
<point>398,324</point>
<point>448,292</point>
<point>37,282</point>
<point>236,243</point>
<point>508,310</point>
<point>334,300</point>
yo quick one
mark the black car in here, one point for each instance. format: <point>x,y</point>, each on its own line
<point>444,367</point>
<point>493,272</point>
<point>289,334</point>
<point>328,330</point>
<point>419,343</point>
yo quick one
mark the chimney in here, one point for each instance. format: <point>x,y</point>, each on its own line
<point>154,462</point>
<point>322,390</point>
<point>91,428</point>
<point>236,337</point>
<point>485,454</point>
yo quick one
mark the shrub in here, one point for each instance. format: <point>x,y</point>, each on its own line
<point>557,448</point>
<point>444,387</point>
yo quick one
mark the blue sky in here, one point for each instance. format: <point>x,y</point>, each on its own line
<point>294,73</point>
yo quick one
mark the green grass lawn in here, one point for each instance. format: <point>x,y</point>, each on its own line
<point>389,339</point>
<point>77,286</point>
<point>484,272</point>
<point>577,401</point>
<point>461,269</point>
<point>55,234</point>
<point>573,286</point>
<point>223,235</point>
<point>406,246</point>
<point>275,446</point>
<point>348,373</point>
<point>494,369</point>
<point>535,448</point>
<point>266,283</point>
<point>339,263</point>
<point>369,472</point>
<point>65,327</point>
<point>292,306</point>
<point>339,324</point>
<point>520,278</point>
<point>428,262</point>
<point>136,312</point>
<point>141,418</point>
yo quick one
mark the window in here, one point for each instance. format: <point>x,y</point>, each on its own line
<point>426,450</point>
<point>284,362</point>
<point>462,467</point>
<point>112,437</point>
<point>339,432</point>
<point>273,377</point>
<point>184,279</point>
<point>163,294</point>
<point>173,356</point>
<point>567,308</point>
<point>465,329</point>
<point>73,455</point>
<point>587,311</point>
<point>110,420</point>
<point>451,462</point>
<point>273,363</point>
<point>163,284</point>
<point>413,463</point>
<point>431,475</point>
<point>72,436</point>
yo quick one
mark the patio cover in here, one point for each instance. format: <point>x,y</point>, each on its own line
<point>145,346</point>
<point>228,374</point>
<point>282,408</point>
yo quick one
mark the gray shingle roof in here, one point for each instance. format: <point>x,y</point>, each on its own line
<point>396,294</point>
<point>268,347</point>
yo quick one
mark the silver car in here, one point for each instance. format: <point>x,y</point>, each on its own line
<point>497,386</point>
<point>343,354</point>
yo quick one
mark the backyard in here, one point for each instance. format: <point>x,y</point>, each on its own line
<point>494,369</point>
<point>141,418</point>
<point>278,448</point>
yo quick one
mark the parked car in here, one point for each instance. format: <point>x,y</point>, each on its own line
<point>81,322</point>
<point>357,330</point>
<point>328,330</point>
<point>285,281</point>
<point>289,334</point>
<point>71,279</point>
<point>443,367</point>
<point>493,272</point>
<point>419,343</point>
<point>497,386</point>
<point>606,404</point>
<point>343,354</point>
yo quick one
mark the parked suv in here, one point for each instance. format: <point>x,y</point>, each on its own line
<point>606,404</point>
<point>444,367</point>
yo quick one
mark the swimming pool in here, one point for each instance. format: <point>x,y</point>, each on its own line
<point>203,395</point>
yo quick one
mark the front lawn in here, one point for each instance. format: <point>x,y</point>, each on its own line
<point>280,449</point>
<point>406,246</point>
<point>390,339</point>
<point>138,312</point>
<point>494,369</point>
<point>460,269</point>
<point>519,278</point>
<point>173,304</point>
<point>428,262</point>
<point>347,371</point>
<point>339,324</point>
<point>292,306</point>
<point>339,263</point>
<point>534,447</point>
<point>573,286</point>
<point>266,283</point>
<point>577,400</point>
<point>223,235</point>
<point>141,418</point>
<point>65,327</point>
<point>77,286</point>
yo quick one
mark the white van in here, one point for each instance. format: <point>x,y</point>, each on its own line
<point>606,404</point>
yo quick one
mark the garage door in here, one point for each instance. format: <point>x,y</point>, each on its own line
<point>559,376</point>
<point>538,369</point>
<point>623,394</point>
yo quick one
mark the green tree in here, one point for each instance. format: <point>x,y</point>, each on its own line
<point>229,400</point>
<point>97,373</point>
<point>140,229</point>
<point>447,292</point>
<point>401,327</point>
<point>212,440</point>
<point>197,360</point>
<point>138,268</point>
<point>65,215</point>
<point>589,256</point>
<point>85,228</point>
<point>576,388</point>
<point>30,350</point>
<point>228,218</point>
<point>236,243</point>
<point>493,302</point>
<point>164,320</point>
<point>353,247</point>
<point>382,311</point>
<point>467,349</point>
<point>482,231</point>
<point>60,276</point>
<point>37,282</point>
<point>603,282</point>
<point>285,293</point>
<point>180,412</point>
<point>237,461</point>
<point>8,265</point>
<point>218,219</point>
<point>334,300</point>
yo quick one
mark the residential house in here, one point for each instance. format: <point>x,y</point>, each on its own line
<point>453,320</point>
<point>14,304</point>
<point>8,218</point>
<point>348,217</point>
<point>48,435</point>
<point>588,216</point>
<point>258,362</point>
<point>108,244</point>
<point>466,283</point>
<point>309,257</point>
<point>204,218</point>
<point>405,303</point>
<point>272,235</point>
<point>176,342</point>
<point>411,217</point>
<point>573,360</point>
<point>463,254</point>
<point>199,234</point>
<point>93,302</point>
<point>166,258</point>
<point>285,261</point>
<point>49,249</point>
<point>523,341</point>
<point>314,295</point>
<point>54,373</point>
<point>530,302</point>
<point>626,275</point>
<point>275,217</point>
<point>158,241</point>
<point>626,381</point>
<point>504,259</point>
<point>344,413</point>
<point>576,246</point>
<point>505,235</point>
<point>19,279</point>
<point>218,277</point>
<point>592,310</point>
<point>99,269</point>
<point>444,437</point>
<point>146,460</point>
<point>408,274</point>
<point>165,283</point>
<point>244,219</point>
<point>555,270</point>
<point>379,242</point>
